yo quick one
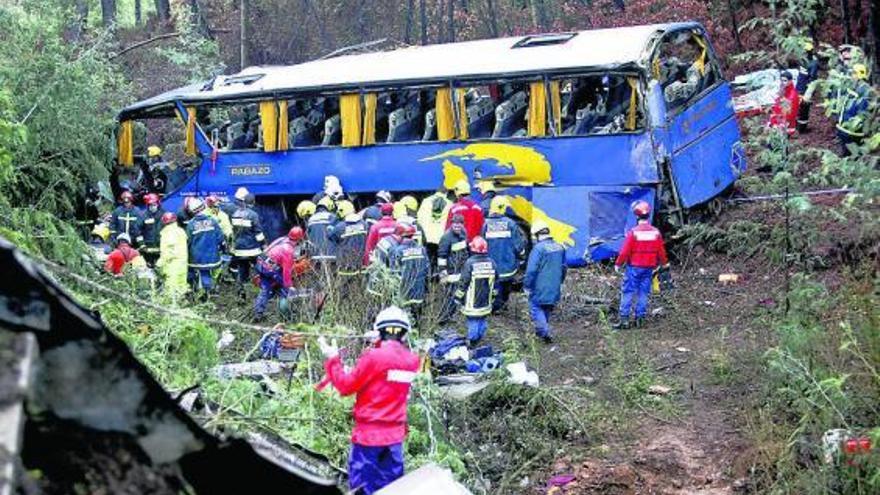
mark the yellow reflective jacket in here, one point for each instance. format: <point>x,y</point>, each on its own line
<point>432,216</point>
<point>223,220</point>
<point>173,258</point>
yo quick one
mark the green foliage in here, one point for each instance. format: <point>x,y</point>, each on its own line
<point>62,96</point>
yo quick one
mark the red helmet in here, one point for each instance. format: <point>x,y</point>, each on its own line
<point>212,201</point>
<point>168,217</point>
<point>641,209</point>
<point>126,196</point>
<point>387,209</point>
<point>478,245</point>
<point>151,199</point>
<point>406,230</point>
<point>296,234</point>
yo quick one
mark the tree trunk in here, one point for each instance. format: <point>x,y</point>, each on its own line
<point>450,21</point>
<point>108,12</point>
<point>138,14</point>
<point>735,25</point>
<point>539,15</point>
<point>244,28</point>
<point>847,32</point>
<point>407,33</point>
<point>874,19</point>
<point>82,17</point>
<point>493,18</point>
<point>423,21</point>
<point>199,19</point>
<point>163,10</point>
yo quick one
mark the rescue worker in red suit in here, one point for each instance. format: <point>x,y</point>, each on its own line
<point>381,381</point>
<point>467,208</point>
<point>277,266</point>
<point>642,253</point>
<point>123,255</point>
<point>785,110</point>
<point>384,227</point>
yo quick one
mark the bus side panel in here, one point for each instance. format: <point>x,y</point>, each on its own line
<point>596,217</point>
<point>708,156</point>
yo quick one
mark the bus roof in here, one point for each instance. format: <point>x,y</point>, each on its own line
<point>431,64</point>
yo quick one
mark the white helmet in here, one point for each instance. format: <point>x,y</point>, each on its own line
<point>539,226</point>
<point>123,237</point>
<point>241,193</point>
<point>195,205</point>
<point>331,181</point>
<point>384,196</point>
<point>392,321</point>
<point>335,192</point>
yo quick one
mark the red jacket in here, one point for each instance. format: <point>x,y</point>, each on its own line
<point>118,258</point>
<point>283,252</point>
<point>381,229</point>
<point>643,247</point>
<point>472,213</point>
<point>785,109</point>
<point>381,379</point>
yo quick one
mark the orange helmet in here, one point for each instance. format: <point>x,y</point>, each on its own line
<point>212,201</point>
<point>126,196</point>
<point>478,245</point>
<point>296,234</point>
<point>406,230</point>
<point>151,199</point>
<point>168,217</point>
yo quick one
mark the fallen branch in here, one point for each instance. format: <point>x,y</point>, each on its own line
<point>145,43</point>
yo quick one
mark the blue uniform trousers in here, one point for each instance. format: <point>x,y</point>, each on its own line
<point>200,279</point>
<point>372,468</point>
<point>476,327</point>
<point>502,294</point>
<point>541,317</point>
<point>271,285</point>
<point>636,284</point>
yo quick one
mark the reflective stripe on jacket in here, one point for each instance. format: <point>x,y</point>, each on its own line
<point>247,232</point>
<point>410,261</point>
<point>205,240</point>
<point>452,253</point>
<point>506,244</point>
<point>476,288</point>
<point>350,238</point>
<point>643,247</point>
<point>318,229</point>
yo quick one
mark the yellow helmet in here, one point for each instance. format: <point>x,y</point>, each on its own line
<point>860,72</point>
<point>154,151</point>
<point>411,203</point>
<point>344,208</point>
<point>462,188</point>
<point>486,186</point>
<point>101,230</point>
<point>399,210</point>
<point>305,209</point>
<point>499,205</point>
<point>539,226</point>
<point>327,202</point>
<point>808,46</point>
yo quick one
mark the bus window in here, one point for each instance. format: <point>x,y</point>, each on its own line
<point>306,118</point>
<point>512,110</point>
<point>407,112</point>
<point>479,109</point>
<point>333,124</point>
<point>600,104</point>
<point>242,132</point>
<point>684,66</point>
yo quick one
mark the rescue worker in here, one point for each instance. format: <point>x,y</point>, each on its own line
<point>332,189</point>
<point>808,74</point>
<point>212,204</point>
<point>451,256</point>
<point>783,114</point>
<point>432,218</point>
<point>642,252</point>
<point>476,289</point>
<point>380,381</point>
<point>152,226</point>
<point>853,110</point>
<point>349,237</point>
<point>507,248</point>
<point>409,261</point>
<point>276,269</point>
<point>545,273</point>
<point>127,219</point>
<point>122,256</point>
<point>248,237</point>
<point>488,192</point>
<point>318,229</point>
<point>173,255</point>
<point>373,213</point>
<point>385,226</point>
<point>99,241</point>
<point>468,208</point>
<point>304,210</point>
<point>405,211</point>
<point>204,242</point>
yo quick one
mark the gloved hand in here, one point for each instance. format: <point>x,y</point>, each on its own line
<point>330,350</point>
<point>443,275</point>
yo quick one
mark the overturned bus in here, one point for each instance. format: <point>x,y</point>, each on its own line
<point>573,127</point>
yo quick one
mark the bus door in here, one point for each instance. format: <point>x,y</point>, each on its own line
<point>702,132</point>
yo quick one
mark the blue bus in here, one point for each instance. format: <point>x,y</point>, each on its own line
<point>573,127</point>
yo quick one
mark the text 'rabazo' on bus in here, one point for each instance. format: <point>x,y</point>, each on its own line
<point>573,127</point>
